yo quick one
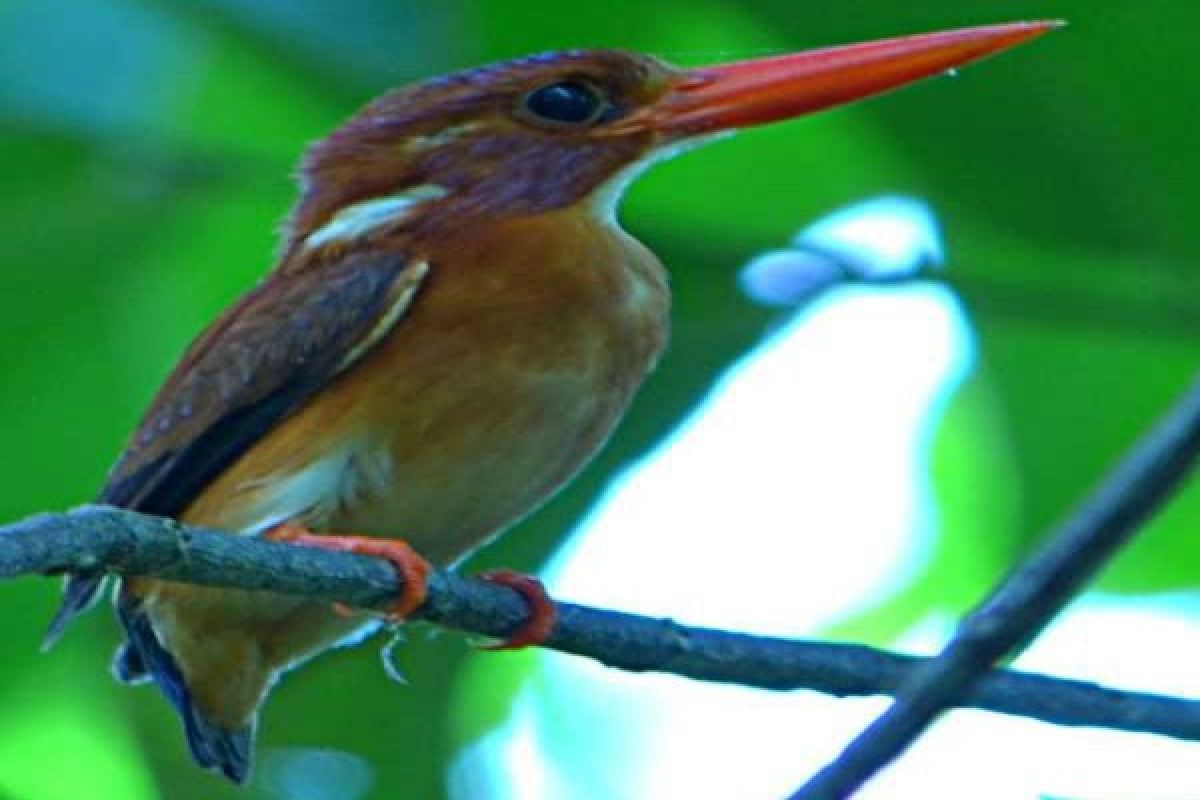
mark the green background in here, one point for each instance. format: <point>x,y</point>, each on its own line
<point>147,152</point>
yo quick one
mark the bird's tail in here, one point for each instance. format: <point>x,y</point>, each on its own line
<point>80,593</point>
<point>213,746</point>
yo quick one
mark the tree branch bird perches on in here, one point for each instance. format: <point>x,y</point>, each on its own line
<point>127,543</point>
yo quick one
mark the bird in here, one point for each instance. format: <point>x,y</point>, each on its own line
<point>454,325</point>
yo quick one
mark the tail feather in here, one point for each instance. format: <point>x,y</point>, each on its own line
<point>212,746</point>
<point>80,592</point>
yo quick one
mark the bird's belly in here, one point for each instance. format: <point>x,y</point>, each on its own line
<point>486,450</point>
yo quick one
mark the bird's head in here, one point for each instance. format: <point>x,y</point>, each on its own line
<point>554,130</point>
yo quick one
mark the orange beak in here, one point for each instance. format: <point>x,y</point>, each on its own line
<point>730,96</point>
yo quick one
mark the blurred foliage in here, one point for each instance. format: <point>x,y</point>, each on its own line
<point>147,148</point>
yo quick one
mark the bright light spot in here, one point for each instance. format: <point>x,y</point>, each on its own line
<point>887,237</point>
<point>884,236</point>
<point>309,773</point>
<point>519,770</point>
<point>789,277</point>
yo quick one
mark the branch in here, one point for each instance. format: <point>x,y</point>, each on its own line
<point>125,543</point>
<point>1027,600</point>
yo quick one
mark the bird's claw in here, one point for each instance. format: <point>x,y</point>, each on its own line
<point>542,611</point>
<point>411,567</point>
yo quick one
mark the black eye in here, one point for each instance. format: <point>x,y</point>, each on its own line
<point>568,102</point>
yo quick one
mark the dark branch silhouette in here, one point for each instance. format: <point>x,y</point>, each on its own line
<point>125,543</point>
<point>1023,604</point>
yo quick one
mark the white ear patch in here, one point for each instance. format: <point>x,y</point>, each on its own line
<point>354,221</point>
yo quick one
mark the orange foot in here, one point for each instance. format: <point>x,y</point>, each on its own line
<point>541,609</point>
<point>413,570</point>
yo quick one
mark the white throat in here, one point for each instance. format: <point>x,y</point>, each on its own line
<point>607,197</point>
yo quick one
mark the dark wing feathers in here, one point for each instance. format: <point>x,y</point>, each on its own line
<point>257,363</point>
<point>263,359</point>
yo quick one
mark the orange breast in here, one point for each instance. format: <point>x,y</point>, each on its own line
<point>519,355</point>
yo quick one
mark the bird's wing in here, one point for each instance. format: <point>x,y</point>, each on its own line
<point>260,361</point>
<point>256,364</point>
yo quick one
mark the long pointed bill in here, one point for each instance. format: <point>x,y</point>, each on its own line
<point>763,90</point>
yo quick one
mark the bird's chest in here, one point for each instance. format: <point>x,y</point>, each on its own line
<point>532,367</point>
<point>497,386</point>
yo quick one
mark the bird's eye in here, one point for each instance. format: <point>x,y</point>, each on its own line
<point>568,102</point>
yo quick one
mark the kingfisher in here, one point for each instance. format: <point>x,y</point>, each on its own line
<point>454,325</point>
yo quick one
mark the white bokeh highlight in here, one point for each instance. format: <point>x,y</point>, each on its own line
<point>884,238</point>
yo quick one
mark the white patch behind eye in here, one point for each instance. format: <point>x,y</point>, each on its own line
<point>360,218</point>
<point>442,137</point>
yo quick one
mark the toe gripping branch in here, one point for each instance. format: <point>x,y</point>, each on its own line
<point>411,567</point>
<point>414,574</point>
<point>537,628</point>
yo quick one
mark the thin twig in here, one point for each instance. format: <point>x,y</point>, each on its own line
<point>126,543</point>
<point>1027,600</point>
